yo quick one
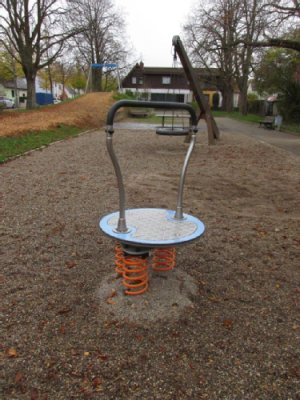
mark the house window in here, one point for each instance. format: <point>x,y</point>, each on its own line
<point>140,81</point>
<point>12,93</point>
<point>133,80</point>
<point>166,80</point>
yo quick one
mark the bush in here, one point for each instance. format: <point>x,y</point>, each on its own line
<point>128,95</point>
<point>289,102</point>
<point>256,106</point>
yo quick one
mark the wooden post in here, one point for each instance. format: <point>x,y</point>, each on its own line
<point>212,128</point>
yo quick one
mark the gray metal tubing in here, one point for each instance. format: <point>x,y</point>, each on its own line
<point>122,221</point>
<point>179,208</point>
<point>148,104</point>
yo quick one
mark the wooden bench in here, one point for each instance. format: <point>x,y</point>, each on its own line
<point>139,112</point>
<point>267,122</point>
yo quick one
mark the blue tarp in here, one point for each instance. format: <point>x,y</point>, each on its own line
<point>44,98</point>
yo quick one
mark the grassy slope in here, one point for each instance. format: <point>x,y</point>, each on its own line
<point>23,131</point>
<point>11,146</point>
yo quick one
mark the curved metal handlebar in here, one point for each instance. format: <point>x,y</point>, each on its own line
<point>109,133</point>
<point>149,104</point>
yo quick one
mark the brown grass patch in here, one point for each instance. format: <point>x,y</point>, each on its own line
<point>88,111</point>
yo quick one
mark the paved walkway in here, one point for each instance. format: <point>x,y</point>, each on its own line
<point>286,141</point>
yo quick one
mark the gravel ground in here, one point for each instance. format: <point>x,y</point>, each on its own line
<point>238,338</point>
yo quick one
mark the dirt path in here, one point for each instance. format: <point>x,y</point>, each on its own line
<point>239,336</point>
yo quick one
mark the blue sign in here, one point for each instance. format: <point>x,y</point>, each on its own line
<point>95,66</point>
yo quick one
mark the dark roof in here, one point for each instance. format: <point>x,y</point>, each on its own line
<point>151,77</point>
<point>21,84</point>
<point>172,70</point>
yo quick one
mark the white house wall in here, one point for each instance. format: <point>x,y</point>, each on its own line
<point>188,95</point>
<point>56,88</point>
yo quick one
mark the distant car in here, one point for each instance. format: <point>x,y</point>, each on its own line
<point>6,103</point>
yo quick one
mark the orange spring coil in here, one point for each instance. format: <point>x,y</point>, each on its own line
<point>135,275</point>
<point>119,259</point>
<point>164,259</point>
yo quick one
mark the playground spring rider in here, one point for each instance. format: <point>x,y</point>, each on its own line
<point>141,230</point>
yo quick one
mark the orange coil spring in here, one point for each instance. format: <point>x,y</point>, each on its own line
<point>119,259</point>
<point>164,259</point>
<point>135,275</point>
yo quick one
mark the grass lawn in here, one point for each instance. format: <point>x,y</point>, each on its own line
<point>11,146</point>
<point>236,115</point>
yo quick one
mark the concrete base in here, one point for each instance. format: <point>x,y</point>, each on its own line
<point>170,295</point>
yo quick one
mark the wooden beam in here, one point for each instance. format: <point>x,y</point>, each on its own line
<point>205,112</point>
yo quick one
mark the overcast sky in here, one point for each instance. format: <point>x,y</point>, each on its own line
<point>151,24</point>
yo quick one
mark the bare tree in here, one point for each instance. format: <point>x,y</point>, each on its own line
<point>285,14</point>
<point>103,40</point>
<point>251,25</point>
<point>33,29</point>
<point>209,34</point>
<point>215,37</point>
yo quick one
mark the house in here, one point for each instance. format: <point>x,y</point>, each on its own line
<point>59,91</point>
<point>16,91</point>
<point>43,87</point>
<point>168,84</point>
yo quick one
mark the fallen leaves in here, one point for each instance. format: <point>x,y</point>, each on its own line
<point>64,310</point>
<point>214,299</point>
<point>109,299</point>
<point>93,385</point>
<point>294,372</point>
<point>11,352</point>
<point>70,264</point>
<point>19,378</point>
<point>86,111</point>
<point>228,324</point>
<point>96,382</point>
<point>260,231</point>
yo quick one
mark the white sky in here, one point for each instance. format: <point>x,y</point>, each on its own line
<point>151,25</point>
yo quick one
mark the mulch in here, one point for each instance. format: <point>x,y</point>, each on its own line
<point>240,337</point>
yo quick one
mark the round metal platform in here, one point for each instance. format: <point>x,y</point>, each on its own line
<point>153,227</point>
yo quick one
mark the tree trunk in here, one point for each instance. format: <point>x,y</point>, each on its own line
<point>243,97</point>
<point>31,100</point>
<point>96,79</point>
<point>15,83</point>
<point>227,103</point>
<point>243,103</point>
<point>50,80</point>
